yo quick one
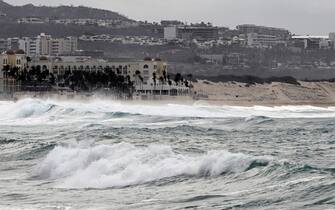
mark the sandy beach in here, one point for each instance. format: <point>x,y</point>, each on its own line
<point>274,94</point>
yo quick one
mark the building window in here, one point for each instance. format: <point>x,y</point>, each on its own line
<point>145,66</point>
<point>155,66</point>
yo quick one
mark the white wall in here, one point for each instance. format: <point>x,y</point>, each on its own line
<point>170,33</point>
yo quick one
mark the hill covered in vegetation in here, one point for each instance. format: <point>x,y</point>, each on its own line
<point>61,12</point>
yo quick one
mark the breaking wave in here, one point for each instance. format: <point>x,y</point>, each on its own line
<point>124,164</point>
<point>34,108</point>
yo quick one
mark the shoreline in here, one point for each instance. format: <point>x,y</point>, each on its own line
<point>318,94</point>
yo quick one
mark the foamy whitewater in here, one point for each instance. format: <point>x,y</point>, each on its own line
<point>102,154</point>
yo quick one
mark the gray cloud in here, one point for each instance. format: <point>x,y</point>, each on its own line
<point>300,16</point>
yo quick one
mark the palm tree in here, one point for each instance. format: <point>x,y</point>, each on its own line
<point>169,80</point>
<point>139,77</point>
<point>178,78</point>
<point>154,78</point>
<point>6,70</point>
<point>164,75</point>
<point>161,79</point>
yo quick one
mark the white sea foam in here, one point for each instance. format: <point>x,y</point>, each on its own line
<point>124,164</point>
<point>36,108</point>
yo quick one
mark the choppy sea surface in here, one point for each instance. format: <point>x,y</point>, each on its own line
<point>105,154</point>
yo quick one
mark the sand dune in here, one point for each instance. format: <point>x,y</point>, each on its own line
<point>233,93</point>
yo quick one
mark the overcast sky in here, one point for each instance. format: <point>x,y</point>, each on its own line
<point>314,17</point>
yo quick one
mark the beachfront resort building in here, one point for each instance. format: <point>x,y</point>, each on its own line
<point>13,59</point>
<point>148,75</point>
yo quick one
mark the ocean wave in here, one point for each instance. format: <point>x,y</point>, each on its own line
<point>123,164</point>
<point>34,108</point>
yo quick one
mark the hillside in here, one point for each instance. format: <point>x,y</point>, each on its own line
<point>61,12</point>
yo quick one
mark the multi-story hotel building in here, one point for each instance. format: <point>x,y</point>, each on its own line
<point>46,45</point>
<point>262,36</point>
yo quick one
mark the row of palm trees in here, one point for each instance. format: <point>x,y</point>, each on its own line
<point>40,78</point>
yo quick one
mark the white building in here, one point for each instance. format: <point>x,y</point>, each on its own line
<point>170,33</point>
<point>46,45</point>
<point>314,42</point>
<point>3,45</point>
<point>9,44</point>
<point>332,39</point>
<point>33,20</point>
<point>262,40</point>
<point>30,45</point>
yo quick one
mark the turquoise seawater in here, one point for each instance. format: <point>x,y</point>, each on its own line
<point>104,154</point>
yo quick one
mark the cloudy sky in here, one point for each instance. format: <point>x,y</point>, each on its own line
<point>314,17</point>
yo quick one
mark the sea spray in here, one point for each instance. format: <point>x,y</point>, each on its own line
<point>32,108</point>
<point>279,157</point>
<point>123,164</point>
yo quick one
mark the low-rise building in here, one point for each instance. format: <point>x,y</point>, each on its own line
<point>33,20</point>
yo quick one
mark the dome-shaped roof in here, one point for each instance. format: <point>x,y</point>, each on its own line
<point>10,52</point>
<point>21,52</point>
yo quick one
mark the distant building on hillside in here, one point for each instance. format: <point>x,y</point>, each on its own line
<point>200,33</point>
<point>166,23</point>
<point>262,36</point>
<point>312,42</point>
<point>263,40</point>
<point>332,39</point>
<point>9,44</point>
<point>278,32</point>
<point>170,33</point>
<point>33,20</point>
<point>46,45</point>
<point>3,45</point>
